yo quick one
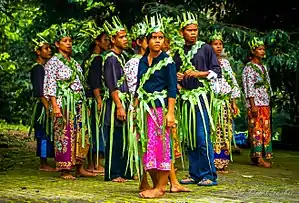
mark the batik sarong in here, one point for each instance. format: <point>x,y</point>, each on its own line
<point>259,130</point>
<point>222,145</point>
<point>69,149</point>
<point>157,155</point>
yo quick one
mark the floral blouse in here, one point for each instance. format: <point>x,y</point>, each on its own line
<point>131,71</point>
<point>56,70</point>
<point>260,94</point>
<point>225,87</point>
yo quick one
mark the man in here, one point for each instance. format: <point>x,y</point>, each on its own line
<point>195,66</point>
<point>45,148</point>
<point>115,115</point>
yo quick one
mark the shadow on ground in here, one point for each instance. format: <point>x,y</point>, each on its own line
<point>22,182</point>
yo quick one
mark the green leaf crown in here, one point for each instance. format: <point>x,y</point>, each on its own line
<point>114,27</point>
<point>216,36</point>
<point>188,18</point>
<point>139,30</point>
<point>255,43</point>
<point>90,30</point>
<point>154,24</point>
<point>39,41</point>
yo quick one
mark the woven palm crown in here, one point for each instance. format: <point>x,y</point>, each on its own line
<point>114,27</point>
<point>154,24</point>
<point>255,43</point>
<point>188,18</point>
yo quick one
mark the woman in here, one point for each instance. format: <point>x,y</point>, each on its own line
<point>45,148</point>
<point>93,68</point>
<point>63,87</point>
<point>225,107</point>
<point>157,86</point>
<point>258,92</point>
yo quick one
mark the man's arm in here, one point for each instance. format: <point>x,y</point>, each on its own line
<point>111,73</point>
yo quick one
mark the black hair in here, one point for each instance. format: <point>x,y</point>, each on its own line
<point>93,44</point>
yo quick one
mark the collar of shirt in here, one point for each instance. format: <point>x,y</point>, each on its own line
<point>155,60</point>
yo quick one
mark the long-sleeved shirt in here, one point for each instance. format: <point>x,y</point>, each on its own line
<point>37,80</point>
<point>260,94</point>
<point>131,71</point>
<point>164,79</point>
<point>204,60</point>
<point>94,75</point>
<point>225,87</point>
<point>113,71</point>
<point>56,70</point>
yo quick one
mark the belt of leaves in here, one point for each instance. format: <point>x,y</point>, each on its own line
<point>125,100</point>
<point>70,98</point>
<point>43,119</point>
<point>218,108</point>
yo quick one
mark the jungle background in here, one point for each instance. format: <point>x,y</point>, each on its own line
<point>239,20</point>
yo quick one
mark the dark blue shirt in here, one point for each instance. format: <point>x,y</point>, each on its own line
<point>37,80</point>
<point>204,60</point>
<point>113,71</point>
<point>164,79</point>
<point>94,75</point>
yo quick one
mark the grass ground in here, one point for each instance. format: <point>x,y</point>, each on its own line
<point>21,181</point>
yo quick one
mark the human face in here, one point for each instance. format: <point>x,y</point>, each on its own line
<point>217,46</point>
<point>104,42</point>
<point>156,41</point>
<point>166,45</point>
<point>142,43</point>
<point>65,45</point>
<point>190,33</point>
<point>120,40</point>
<point>45,51</point>
<point>259,52</point>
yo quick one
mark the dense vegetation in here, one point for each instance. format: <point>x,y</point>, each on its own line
<point>20,20</point>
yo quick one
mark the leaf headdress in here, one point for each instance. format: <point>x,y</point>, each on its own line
<point>216,36</point>
<point>39,41</point>
<point>114,27</point>
<point>154,24</point>
<point>255,43</point>
<point>188,18</point>
<point>90,30</point>
<point>139,30</point>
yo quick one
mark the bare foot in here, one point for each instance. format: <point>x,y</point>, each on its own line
<point>223,171</point>
<point>152,193</point>
<point>144,187</point>
<point>47,168</point>
<point>100,168</point>
<point>179,188</point>
<point>119,180</point>
<point>90,167</point>
<point>67,176</point>
<point>84,173</point>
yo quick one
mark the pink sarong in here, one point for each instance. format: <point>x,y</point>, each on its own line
<point>157,155</point>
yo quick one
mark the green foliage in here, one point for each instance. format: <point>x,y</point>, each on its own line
<point>20,22</point>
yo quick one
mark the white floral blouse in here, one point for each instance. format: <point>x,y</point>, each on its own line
<point>56,70</point>
<point>260,94</point>
<point>224,86</point>
<point>131,71</point>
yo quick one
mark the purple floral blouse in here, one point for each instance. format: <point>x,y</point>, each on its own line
<point>56,70</point>
<point>260,94</point>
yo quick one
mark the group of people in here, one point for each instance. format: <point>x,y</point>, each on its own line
<point>118,110</point>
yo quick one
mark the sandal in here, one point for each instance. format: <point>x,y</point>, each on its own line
<point>207,182</point>
<point>188,181</point>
